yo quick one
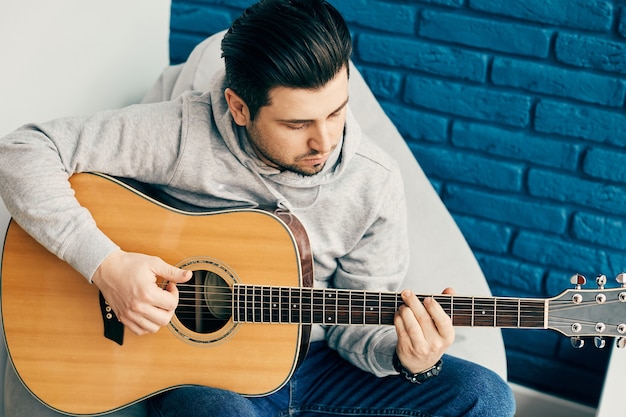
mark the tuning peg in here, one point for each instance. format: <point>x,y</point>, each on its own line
<point>579,280</point>
<point>577,342</point>
<point>601,281</point>
<point>621,279</point>
<point>620,342</point>
<point>599,342</point>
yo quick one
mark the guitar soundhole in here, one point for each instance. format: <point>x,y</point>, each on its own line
<point>205,302</point>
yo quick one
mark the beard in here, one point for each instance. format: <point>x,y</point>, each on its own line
<point>257,141</point>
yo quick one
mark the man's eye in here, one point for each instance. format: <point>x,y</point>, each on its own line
<point>298,126</point>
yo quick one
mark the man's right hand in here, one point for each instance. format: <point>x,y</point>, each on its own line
<point>128,282</point>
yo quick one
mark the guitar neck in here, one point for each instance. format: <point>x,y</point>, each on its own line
<point>267,304</point>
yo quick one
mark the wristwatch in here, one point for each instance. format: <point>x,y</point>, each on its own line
<point>418,377</point>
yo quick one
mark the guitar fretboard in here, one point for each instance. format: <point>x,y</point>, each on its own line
<point>268,304</point>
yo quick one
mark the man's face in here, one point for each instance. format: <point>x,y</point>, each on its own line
<point>300,128</point>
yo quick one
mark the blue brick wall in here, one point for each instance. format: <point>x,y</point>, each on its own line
<point>515,110</point>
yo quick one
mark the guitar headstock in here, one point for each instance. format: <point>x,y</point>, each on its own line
<point>597,313</point>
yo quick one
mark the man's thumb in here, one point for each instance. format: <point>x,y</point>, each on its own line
<point>173,274</point>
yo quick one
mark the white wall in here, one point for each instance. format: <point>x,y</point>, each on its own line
<point>66,57</point>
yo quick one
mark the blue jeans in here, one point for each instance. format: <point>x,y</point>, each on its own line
<point>327,385</point>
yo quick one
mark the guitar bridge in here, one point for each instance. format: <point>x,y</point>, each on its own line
<point>113,328</point>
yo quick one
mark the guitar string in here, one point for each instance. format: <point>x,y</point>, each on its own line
<point>501,302</point>
<point>317,295</point>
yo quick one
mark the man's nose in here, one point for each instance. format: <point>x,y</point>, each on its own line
<point>321,139</point>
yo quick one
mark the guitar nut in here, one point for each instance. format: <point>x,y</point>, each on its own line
<point>577,327</point>
<point>600,298</point>
<point>600,327</point>
<point>622,297</point>
<point>577,298</point>
<point>621,328</point>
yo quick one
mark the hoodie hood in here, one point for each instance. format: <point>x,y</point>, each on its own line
<point>238,143</point>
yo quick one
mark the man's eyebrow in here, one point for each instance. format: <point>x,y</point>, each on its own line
<point>296,121</point>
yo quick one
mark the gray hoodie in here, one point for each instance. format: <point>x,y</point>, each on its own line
<point>354,210</point>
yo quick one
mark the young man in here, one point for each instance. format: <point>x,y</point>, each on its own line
<point>274,131</point>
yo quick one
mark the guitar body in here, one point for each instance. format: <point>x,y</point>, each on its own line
<point>53,322</point>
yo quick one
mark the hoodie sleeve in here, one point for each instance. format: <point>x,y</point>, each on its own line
<point>140,142</point>
<point>378,263</point>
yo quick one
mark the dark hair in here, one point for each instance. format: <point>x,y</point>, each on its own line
<point>288,43</point>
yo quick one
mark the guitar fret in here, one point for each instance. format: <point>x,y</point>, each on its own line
<point>508,313</point>
<point>275,305</point>
<point>265,311</point>
<point>330,306</point>
<point>371,301</point>
<point>235,304</point>
<point>307,304</point>
<point>357,302</point>
<point>380,307</point>
<point>452,306</point>
<point>258,301</point>
<point>388,308</point>
<point>495,313</point>
<point>294,305</point>
<point>344,303</point>
<point>318,307</point>
<point>284,305</point>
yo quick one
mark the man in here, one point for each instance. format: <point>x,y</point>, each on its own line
<point>274,130</point>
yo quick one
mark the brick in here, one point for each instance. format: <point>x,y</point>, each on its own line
<point>604,126</point>
<point>199,20</point>
<point>379,15</point>
<point>594,359</point>
<point>468,101</point>
<point>438,186</point>
<point>444,164</point>
<point>181,46</point>
<point>607,164</point>
<point>556,81</point>
<point>485,33</point>
<point>558,281</point>
<point>449,3</point>
<point>423,56</point>
<point>484,235</point>
<point>505,209</point>
<point>582,192</point>
<point>616,261</point>
<point>596,15</point>
<point>600,230</point>
<point>586,51</point>
<point>536,342</point>
<point>552,250</point>
<point>383,83</point>
<point>417,125</point>
<point>517,145</point>
<point>554,377</point>
<point>240,4</point>
<point>520,279</point>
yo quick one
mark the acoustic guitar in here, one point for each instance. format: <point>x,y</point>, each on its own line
<point>243,321</point>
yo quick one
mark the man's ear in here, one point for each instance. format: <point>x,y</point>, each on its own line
<point>238,108</point>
